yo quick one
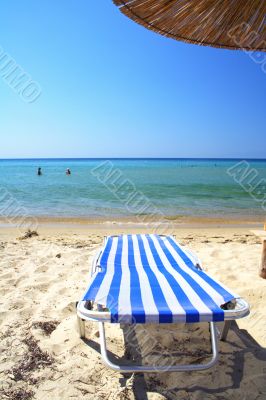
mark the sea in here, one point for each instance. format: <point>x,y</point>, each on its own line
<point>113,188</point>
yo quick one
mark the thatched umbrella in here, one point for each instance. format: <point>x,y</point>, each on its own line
<point>229,24</point>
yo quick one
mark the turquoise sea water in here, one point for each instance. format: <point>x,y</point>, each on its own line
<point>174,187</point>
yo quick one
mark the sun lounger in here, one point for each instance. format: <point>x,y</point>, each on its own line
<point>151,279</point>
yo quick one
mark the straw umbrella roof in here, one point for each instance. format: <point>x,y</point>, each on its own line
<point>229,24</point>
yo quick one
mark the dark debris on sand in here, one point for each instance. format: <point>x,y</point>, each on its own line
<point>46,326</point>
<point>17,394</point>
<point>32,360</point>
<point>28,235</point>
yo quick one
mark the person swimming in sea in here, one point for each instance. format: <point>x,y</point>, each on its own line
<point>39,172</point>
<point>68,172</point>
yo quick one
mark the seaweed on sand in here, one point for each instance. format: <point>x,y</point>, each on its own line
<point>17,394</point>
<point>28,234</point>
<point>32,360</point>
<point>46,326</point>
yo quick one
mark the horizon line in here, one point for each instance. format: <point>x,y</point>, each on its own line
<point>132,158</point>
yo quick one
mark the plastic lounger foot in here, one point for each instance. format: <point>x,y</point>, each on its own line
<point>225,330</point>
<point>81,326</point>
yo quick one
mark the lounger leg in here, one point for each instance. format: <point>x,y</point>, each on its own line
<point>156,368</point>
<point>81,325</point>
<point>225,330</point>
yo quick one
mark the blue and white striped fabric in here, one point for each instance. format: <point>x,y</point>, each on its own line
<point>151,279</point>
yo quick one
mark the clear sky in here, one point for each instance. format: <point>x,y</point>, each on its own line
<point>111,88</point>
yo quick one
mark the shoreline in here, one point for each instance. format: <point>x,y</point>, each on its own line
<point>131,221</point>
<point>73,227</point>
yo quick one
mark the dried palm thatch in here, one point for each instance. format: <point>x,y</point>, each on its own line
<point>229,24</point>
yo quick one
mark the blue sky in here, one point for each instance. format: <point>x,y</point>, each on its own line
<point>111,88</point>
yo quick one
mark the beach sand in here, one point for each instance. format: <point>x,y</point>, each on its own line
<point>42,355</point>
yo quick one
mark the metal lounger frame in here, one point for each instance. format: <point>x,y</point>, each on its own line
<point>84,314</point>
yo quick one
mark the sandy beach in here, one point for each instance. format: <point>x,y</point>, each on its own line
<point>42,356</point>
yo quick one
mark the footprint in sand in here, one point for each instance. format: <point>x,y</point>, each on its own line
<point>68,309</point>
<point>62,291</point>
<point>215,253</point>
<point>42,269</point>
<point>231,277</point>
<point>18,305</point>
<point>6,276</point>
<point>42,287</point>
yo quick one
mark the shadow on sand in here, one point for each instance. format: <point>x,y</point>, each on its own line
<point>240,373</point>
